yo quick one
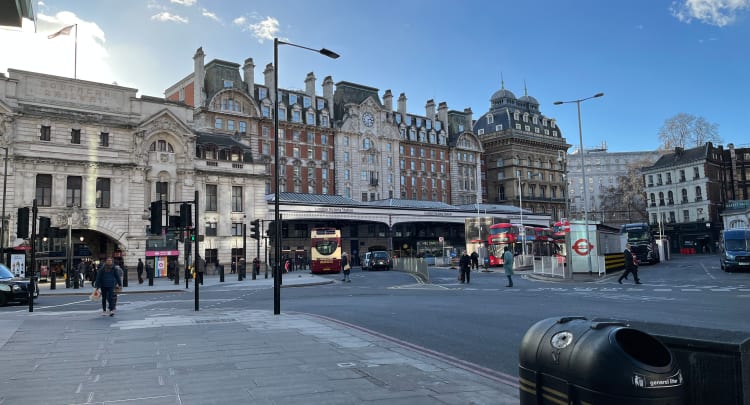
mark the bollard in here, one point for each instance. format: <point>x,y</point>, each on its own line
<point>53,281</point>
<point>151,278</point>
<point>124,276</point>
<point>221,274</point>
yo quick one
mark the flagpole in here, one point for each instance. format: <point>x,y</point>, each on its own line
<point>75,56</point>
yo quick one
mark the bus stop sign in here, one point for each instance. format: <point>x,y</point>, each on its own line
<point>582,247</point>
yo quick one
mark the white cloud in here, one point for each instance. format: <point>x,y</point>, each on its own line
<point>265,29</point>
<point>92,57</point>
<point>211,15</point>
<point>187,3</point>
<point>239,21</point>
<point>713,12</point>
<point>165,16</point>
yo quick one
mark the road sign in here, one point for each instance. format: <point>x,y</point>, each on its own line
<point>582,247</point>
<point>441,239</point>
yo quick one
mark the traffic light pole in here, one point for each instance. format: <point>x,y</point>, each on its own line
<point>32,283</point>
<point>197,256</point>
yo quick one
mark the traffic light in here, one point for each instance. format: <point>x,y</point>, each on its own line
<point>44,225</point>
<point>186,215</point>
<point>254,231</point>
<point>22,230</point>
<point>156,217</point>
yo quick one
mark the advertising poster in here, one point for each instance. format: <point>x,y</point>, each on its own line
<point>161,266</point>
<point>18,265</point>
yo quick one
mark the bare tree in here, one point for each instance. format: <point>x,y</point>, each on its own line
<point>687,131</point>
<point>625,202</point>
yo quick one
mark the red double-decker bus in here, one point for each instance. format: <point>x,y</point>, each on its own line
<point>325,250</point>
<point>559,232</point>
<point>500,236</point>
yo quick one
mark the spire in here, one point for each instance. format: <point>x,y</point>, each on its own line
<point>502,82</point>
<point>525,92</point>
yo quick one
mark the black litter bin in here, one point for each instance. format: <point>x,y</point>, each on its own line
<point>572,360</point>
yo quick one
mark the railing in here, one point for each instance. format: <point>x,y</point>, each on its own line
<point>550,266</point>
<point>412,265</point>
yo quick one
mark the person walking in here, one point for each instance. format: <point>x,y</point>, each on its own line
<point>475,260</point>
<point>631,266</point>
<point>107,279</point>
<point>464,267</point>
<point>140,271</point>
<point>508,266</point>
<point>346,267</point>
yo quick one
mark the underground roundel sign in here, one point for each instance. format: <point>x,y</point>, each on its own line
<point>582,247</point>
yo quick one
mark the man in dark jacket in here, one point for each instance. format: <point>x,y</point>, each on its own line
<point>474,260</point>
<point>107,278</point>
<point>140,271</point>
<point>464,266</point>
<point>630,266</point>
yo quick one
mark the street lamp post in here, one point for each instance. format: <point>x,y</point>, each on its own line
<point>2,218</point>
<point>277,214</point>
<point>583,172</point>
<point>522,231</point>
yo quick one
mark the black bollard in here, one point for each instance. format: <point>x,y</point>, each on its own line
<point>221,274</point>
<point>53,281</point>
<point>151,278</point>
<point>124,276</point>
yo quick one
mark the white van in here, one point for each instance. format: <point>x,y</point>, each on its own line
<point>367,261</point>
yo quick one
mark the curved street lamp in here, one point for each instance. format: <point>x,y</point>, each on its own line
<point>277,214</point>
<point>583,171</point>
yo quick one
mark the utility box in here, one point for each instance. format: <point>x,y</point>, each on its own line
<point>602,240</point>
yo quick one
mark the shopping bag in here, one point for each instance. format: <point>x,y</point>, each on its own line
<point>95,296</point>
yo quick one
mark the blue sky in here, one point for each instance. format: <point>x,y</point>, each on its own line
<point>653,59</point>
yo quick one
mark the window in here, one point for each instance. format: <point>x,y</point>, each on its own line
<point>324,155</point>
<point>218,123</point>
<point>346,156</point>
<point>698,194</point>
<point>243,126</point>
<point>266,148</point>
<point>230,125</point>
<point>237,228</point>
<point>266,111</point>
<point>500,162</point>
<point>684,196</point>
<point>45,133</point>
<point>311,138</point>
<point>102,192</point>
<point>324,120</point>
<point>44,190</point>
<point>320,103</point>
<point>296,116</point>
<point>685,215</point>
<point>211,197</point>
<point>262,93</point>
<point>347,174</point>
<point>104,139</point>
<point>210,229</point>
<point>310,153</point>
<point>73,191</point>
<point>682,176</point>
<point>323,139</point>
<point>236,199</point>
<point>282,114</point>
<point>364,196</point>
<point>75,136</point>
<point>228,84</point>
<point>696,173</point>
<point>162,191</point>
<point>295,152</point>
<point>265,132</point>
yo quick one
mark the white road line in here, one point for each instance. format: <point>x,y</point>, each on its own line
<point>706,271</point>
<point>663,289</point>
<point>691,289</point>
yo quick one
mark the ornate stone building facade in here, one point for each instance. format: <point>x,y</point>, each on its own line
<point>95,156</point>
<point>523,150</point>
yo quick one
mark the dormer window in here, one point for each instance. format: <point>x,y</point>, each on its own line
<point>490,119</point>
<point>306,102</point>
<point>262,93</point>
<point>292,99</point>
<point>228,84</point>
<point>321,103</point>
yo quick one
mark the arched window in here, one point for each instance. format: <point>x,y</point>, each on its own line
<point>684,196</point>
<point>161,146</point>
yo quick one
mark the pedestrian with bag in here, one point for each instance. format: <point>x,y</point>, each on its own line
<point>346,267</point>
<point>140,271</point>
<point>475,260</point>
<point>464,268</point>
<point>508,266</point>
<point>108,278</point>
<point>631,265</point>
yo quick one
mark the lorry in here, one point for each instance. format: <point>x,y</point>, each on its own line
<point>642,242</point>
<point>735,249</point>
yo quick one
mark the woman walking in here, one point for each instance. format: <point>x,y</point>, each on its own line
<point>346,267</point>
<point>107,278</point>
<point>508,266</point>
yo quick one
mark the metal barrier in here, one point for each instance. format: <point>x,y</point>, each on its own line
<point>550,266</point>
<point>413,265</point>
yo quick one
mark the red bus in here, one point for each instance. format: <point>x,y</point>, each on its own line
<point>500,236</point>
<point>559,232</point>
<point>325,250</point>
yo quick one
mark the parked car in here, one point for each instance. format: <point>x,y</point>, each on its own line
<point>381,260</point>
<point>367,261</point>
<point>13,289</point>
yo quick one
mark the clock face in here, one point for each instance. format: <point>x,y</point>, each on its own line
<point>368,119</point>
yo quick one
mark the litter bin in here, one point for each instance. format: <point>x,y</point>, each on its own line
<point>572,360</point>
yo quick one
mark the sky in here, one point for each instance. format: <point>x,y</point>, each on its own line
<point>652,59</point>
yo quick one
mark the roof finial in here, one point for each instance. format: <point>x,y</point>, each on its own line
<point>502,82</point>
<point>525,92</point>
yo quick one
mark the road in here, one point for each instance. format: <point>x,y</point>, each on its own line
<point>481,323</point>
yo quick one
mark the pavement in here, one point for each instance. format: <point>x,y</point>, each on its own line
<point>167,353</point>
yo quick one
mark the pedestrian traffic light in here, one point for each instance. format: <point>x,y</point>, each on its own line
<point>254,231</point>
<point>156,217</point>
<point>44,225</point>
<point>186,215</point>
<point>22,230</point>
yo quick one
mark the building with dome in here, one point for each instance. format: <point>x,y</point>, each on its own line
<point>524,155</point>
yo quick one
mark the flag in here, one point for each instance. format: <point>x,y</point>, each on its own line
<point>64,31</point>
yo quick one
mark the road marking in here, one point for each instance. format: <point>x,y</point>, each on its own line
<point>663,289</point>
<point>691,289</point>
<point>706,271</point>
